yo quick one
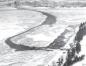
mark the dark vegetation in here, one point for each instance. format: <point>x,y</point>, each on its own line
<point>48,3</point>
<point>42,3</point>
<point>72,54</point>
<point>73,4</point>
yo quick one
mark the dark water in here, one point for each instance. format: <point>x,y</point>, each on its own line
<point>19,47</point>
<point>49,21</point>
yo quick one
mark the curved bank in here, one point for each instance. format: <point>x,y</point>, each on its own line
<point>50,20</point>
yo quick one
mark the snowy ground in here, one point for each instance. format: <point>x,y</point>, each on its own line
<point>14,22</point>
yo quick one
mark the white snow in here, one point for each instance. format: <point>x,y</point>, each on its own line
<point>40,37</point>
